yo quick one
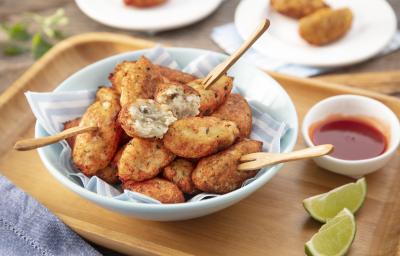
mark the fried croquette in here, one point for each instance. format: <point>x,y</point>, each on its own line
<point>144,3</point>
<point>136,81</point>
<point>108,174</point>
<point>218,173</point>
<point>146,119</point>
<point>196,137</point>
<point>325,26</point>
<point>237,110</point>
<point>183,100</point>
<point>93,151</point>
<point>70,124</point>
<point>164,191</point>
<point>174,76</point>
<point>179,172</point>
<point>143,159</point>
<point>212,97</point>
<point>167,74</point>
<point>297,8</point>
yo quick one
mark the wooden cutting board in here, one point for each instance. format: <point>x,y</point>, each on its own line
<point>272,221</point>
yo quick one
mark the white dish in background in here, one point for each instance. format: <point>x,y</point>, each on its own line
<point>173,14</point>
<point>374,25</point>
<point>354,105</point>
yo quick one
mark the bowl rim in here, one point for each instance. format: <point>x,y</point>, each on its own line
<point>388,152</point>
<point>216,201</point>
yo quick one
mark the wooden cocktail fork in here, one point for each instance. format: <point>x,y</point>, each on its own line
<point>256,161</point>
<point>28,144</point>
<point>223,67</point>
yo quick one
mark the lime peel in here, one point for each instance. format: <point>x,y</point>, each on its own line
<point>325,206</point>
<point>335,237</point>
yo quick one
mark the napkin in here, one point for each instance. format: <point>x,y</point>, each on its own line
<point>227,37</point>
<point>53,108</point>
<point>28,228</point>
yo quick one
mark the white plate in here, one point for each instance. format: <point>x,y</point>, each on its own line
<point>172,14</point>
<point>374,25</point>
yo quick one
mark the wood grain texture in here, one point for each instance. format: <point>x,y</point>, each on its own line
<point>387,82</point>
<point>272,221</point>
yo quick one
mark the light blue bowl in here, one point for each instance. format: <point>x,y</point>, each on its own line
<point>251,83</point>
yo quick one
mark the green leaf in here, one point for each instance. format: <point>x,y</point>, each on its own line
<point>39,46</point>
<point>13,50</point>
<point>17,32</point>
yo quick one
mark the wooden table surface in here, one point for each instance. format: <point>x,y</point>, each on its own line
<point>197,35</point>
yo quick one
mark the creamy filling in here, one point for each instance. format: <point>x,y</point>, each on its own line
<point>182,105</point>
<point>151,120</point>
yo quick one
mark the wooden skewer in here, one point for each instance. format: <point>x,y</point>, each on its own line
<point>29,144</point>
<point>256,161</point>
<point>222,68</point>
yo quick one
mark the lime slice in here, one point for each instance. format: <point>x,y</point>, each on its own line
<point>325,206</point>
<point>335,237</point>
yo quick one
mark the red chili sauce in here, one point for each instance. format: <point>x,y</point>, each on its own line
<point>353,138</point>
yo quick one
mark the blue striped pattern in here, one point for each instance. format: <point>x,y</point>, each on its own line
<point>54,108</point>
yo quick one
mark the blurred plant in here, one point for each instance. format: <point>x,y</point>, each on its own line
<point>41,31</point>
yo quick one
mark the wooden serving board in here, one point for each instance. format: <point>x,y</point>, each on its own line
<point>270,222</point>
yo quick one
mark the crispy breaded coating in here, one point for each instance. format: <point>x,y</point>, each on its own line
<point>146,119</point>
<point>106,94</point>
<point>196,137</point>
<point>108,174</point>
<point>138,81</point>
<point>183,100</point>
<point>93,151</point>
<point>164,191</point>
<point>325,26</point>
<point>143,159</point>
<point>298,8</point>
<point>237,110</point>
<point>70,124</point>
<point>218,173</point>
<point>214,96</point>
<point>120,72</point>
<point>174,76</point>
<point>179,172</point>
<point>144,3</point>
<point>167,74</point>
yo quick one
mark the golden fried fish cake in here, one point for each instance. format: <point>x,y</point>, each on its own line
<point>218,173</point>
<point>325,26</point>
<point>196,137</point>
<point>214,96</point>
<point>144,3</point>
<point>298,8</point>
<point>119,74</point>
<point>138,82</point>
<point>179,172</point>
<point>164,191</point>
<point>93,151</point>
<point>237,110</point>
<point>143,159</point>
<point>70,124</point>
<point>183,100</point>
<point>108,174</point>
<point>174,76</point>
<point>146,119</point>
<point>167,74</point>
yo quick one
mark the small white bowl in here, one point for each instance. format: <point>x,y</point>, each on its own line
<point>354,105</point>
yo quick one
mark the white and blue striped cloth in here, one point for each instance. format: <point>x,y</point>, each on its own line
<point>52,109</point>
<point>227,37</point>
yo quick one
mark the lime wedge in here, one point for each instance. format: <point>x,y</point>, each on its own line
<point>326,206</point>
<point>335,237</point>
